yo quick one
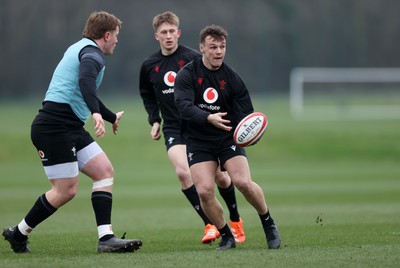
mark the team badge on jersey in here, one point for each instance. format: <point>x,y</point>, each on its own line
<point>210,95</point>
<point>169,78</point>
<point>222,84</point>
<point>171,140</point>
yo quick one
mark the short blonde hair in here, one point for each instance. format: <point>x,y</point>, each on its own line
<point>168,17</point>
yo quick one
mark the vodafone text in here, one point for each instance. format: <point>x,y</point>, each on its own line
<point>209,107</point>
<point>168,91</point>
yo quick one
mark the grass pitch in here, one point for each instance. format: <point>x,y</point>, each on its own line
<point>333,189</point>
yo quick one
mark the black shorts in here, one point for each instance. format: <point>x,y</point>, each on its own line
<point>198,154</point>
<point>173,138</point>
<point>58,143</point>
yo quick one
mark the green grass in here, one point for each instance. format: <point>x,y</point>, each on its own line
<point>333,189</point>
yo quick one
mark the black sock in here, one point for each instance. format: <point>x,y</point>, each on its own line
<point>193,197</point>
<point>102,205</point>
<point>266,221</point>
<point>40,211</point>
<point>229,197</point>
<point>106,237</point>
<point>225,232</point>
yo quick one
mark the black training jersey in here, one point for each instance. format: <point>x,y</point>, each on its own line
<point>200,92</point>
<point>157,79</point>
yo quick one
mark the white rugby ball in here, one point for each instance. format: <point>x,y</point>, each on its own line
<point>250,129</point>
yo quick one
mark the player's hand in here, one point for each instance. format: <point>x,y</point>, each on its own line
<point>99,125</point>
<point>155,131</point>
<point>116,123</point>
<point>217,120</point>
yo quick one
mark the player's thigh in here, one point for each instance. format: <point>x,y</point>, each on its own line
<point>177,156</point>
<point>92,161</point>
<point>203,174</point>
<point>222,178</point>
<point>62,184</point>
<point>98,167</point>
<point>238,169</point>
<point>203,163</point>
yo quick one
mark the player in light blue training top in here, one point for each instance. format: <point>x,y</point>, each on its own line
<point>65,147</point>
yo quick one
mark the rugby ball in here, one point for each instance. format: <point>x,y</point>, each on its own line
<point>250,129</point>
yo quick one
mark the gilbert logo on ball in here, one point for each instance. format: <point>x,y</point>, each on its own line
<point>250,129</point>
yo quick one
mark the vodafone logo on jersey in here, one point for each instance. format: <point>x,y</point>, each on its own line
<point>210,95</point>
<point>42,155</point>
<point>169,78</point>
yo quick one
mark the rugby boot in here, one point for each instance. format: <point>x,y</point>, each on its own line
<point>119,245</point>
<point>238,231</point>
<point>226,243</point>
<point>210,234</point>
<point>17,247</point>
<point>272,235</point>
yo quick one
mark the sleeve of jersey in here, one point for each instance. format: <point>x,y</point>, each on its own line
<point>106,113</point>
<point>242,104</point>
<point>148,96</point>
<point>184,94</point>
<point>88,70</point>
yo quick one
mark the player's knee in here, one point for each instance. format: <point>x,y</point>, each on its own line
<point>97,170</point>
<point>108,171</point>
<point>222,180</point>
<point>70,194</point>
<point>244,186</point>
<point>67,193</point>
<point>205,194</point>
<point>183,175</point>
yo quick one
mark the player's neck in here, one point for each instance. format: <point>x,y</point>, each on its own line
<point>167,52</point>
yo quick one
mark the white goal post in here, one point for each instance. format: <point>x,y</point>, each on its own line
<point>300,77</point>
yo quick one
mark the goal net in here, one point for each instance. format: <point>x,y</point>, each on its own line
<point>345,93</point>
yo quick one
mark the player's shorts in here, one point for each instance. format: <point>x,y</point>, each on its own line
<point>173,138</point>
<point>198,154</point>
<point>63,149</point>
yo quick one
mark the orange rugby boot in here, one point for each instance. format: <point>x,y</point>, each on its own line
<point>210,234</point>
<point>238,231</point>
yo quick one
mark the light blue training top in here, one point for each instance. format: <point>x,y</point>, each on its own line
<point>64,85</point>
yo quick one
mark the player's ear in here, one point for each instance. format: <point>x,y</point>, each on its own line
<point>156,36</point>
<point>107,36</point>
<point>201,48</point>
